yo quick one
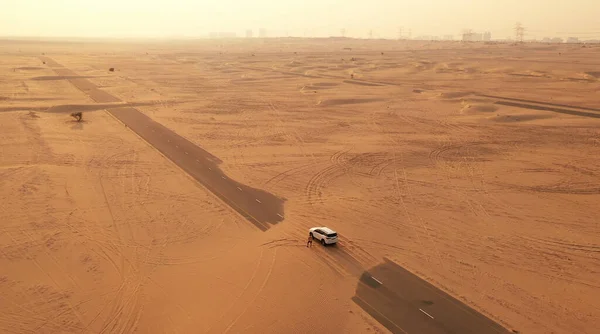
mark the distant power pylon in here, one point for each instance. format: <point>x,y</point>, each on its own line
<point>519,32</point>
<point>400,36</point>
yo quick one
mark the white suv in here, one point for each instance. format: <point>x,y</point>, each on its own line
<point>324,234</point>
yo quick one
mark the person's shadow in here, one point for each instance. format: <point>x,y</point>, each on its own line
<point>77,125</point>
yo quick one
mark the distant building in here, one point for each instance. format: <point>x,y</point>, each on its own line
<point>467,36</point>
<point>262,33</point>
<point>572,40</point>
<point>427,38</point>
<point>249,33</point>
<point>448,37</point>
<point>222,35</point>
<point>546,40</point>
<point>556,40</point>
<point>470,36</point>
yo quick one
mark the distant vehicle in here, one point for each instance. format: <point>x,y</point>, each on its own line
<point>326,235</point>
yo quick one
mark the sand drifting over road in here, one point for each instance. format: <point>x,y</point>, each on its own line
<point>480,175</point>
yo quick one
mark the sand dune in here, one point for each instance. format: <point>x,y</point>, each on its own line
<point>337,102</point>
<point>474,166</point>
<point>320,85</point>
<point>29,68</point>
<point>362,83</point>
<point>57,77</point>
<point>595,74</point>
<point>454,95</point>
<point>519,117</point>
<point>486,108</point>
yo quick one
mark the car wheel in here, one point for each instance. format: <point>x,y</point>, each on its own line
<point>323,242</point>
<point>312,236</point>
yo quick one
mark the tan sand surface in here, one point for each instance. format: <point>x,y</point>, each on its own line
<point>475,166</point>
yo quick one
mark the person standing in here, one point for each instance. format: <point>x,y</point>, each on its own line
<point>309,242</point>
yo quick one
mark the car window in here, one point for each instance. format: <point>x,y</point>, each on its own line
<point>331,235</point>
<point>319,231</point>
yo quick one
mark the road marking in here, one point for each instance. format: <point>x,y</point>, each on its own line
<point>429,315</point>
<point>280,216</point>
<point>240,189</point>
<point>381,314</point>
<point>376,280</point>
<point>258,201</point>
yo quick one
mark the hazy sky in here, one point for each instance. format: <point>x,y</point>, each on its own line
<point>159,18</point>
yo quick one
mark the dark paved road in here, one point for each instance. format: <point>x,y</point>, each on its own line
<point>404,303</point>
<point>257,206</point>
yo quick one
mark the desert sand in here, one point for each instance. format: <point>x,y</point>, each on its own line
<point>475,166</point>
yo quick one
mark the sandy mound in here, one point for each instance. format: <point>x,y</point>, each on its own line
<point>242,80</point>
<point>29,68</point>
<point>59,77</point>
<point>454,68</point>
<point>595,74</point>
<point>325,84</point>
<point>320,85</point>
<point>454,95</point>
<point>517,118</point>
<point>533,74</point>
<point>337,102</point>
<point>228,71</point>
<point>345,66</point>
<point>485,108</point>
<point>499,70</point>
<point>362,83</point>
<point>294,63</point>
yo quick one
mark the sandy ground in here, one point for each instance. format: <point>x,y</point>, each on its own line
<point>402,148</point>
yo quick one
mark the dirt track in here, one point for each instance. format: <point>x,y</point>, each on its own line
<point>446,158</point>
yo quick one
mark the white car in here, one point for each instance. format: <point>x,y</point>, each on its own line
<point>326,235</point>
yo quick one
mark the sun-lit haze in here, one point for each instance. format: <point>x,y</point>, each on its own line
<point>158,176</point>
<point>192,18</point>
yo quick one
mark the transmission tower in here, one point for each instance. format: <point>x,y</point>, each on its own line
<point>400,33</point>
<point>519,32</point>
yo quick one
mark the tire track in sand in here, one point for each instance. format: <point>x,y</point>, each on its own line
<point>253,289</point>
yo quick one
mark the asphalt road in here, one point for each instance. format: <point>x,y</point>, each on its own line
<point>258,207</point>
<point>398,299</point>
<point>404,303</point>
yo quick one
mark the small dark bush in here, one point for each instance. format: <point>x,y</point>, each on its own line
<point>78,116</point>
